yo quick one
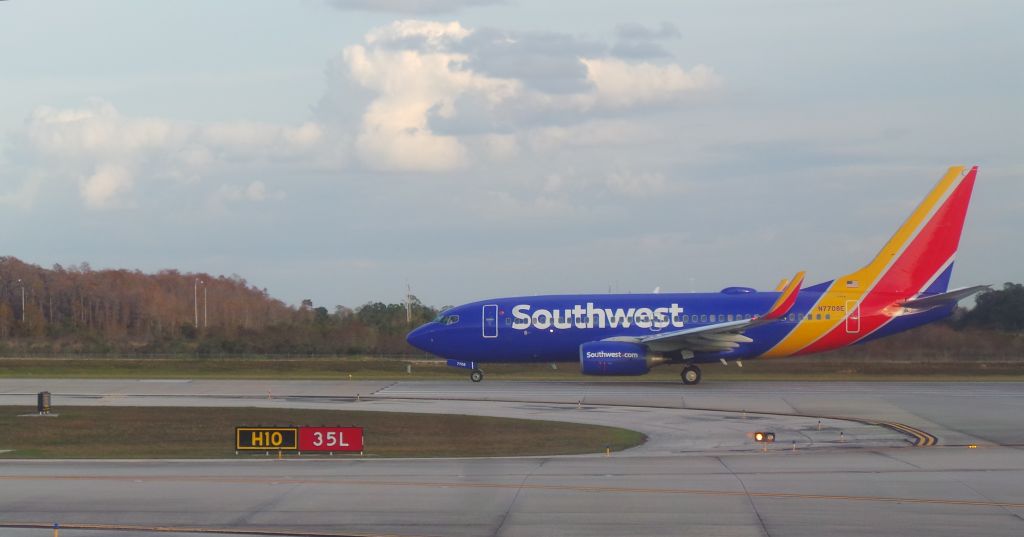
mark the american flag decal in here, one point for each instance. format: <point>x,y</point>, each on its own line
<point>852,283</point>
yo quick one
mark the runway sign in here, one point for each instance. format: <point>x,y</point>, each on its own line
<point>266,438</point>
<point>330,439</point>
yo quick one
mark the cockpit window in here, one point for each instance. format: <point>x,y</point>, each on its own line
<point>447,319</point>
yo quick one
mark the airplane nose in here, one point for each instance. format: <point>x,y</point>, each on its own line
<point>419,338</point>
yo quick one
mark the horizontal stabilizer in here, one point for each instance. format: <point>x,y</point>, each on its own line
<point>942,299</point>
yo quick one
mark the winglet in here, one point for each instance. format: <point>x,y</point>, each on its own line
<point>786,300</point>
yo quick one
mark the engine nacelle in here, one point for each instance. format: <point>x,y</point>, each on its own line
<point>613,358</point>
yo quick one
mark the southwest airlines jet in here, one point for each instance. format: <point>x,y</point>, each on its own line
<point>904,286</point>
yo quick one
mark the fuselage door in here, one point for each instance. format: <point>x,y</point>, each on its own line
<point>490,320</point>
<point>852,317</point>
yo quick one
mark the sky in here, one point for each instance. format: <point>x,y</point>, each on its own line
<point>339,150</point>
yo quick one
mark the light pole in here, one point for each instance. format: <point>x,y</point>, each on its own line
<point>195,300</point>
<point>22,284</point>
<point>206,316</point>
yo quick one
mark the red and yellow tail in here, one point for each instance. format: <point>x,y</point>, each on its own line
<point>917,259</point>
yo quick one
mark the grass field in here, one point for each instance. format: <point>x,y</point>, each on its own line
<point>147,432</point>
<point>365,368</point>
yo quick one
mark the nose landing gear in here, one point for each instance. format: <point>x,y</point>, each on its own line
<point>691,375</point>
<point>476,375</point>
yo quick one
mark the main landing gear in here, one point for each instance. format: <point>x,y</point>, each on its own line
<point>690,375</point>
<point>476,375</point>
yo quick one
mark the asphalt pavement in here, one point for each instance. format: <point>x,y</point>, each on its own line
<point>698,475</point>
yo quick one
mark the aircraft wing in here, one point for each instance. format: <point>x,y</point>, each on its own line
<point>720,336</point>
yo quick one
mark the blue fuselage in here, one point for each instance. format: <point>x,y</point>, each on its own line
<point>552,328</point>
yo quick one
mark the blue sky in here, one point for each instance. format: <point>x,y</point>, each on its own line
<point>337,150</point>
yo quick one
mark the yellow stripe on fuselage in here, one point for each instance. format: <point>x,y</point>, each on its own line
<point>853,286</point>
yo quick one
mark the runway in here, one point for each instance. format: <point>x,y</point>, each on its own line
<point>698,475</point>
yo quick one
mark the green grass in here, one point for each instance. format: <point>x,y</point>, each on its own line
<point>363,368</point>
<point>149,432</point>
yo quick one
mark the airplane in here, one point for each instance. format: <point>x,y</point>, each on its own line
<point>904,286</point>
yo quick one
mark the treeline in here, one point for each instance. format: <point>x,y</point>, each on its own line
<point>71,310</point>
<point>79,310</point>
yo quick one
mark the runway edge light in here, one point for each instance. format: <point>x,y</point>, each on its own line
<point>765,437</point>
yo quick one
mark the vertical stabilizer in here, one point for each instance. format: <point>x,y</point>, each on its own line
<point>916,261</point>
<point>919,256</point>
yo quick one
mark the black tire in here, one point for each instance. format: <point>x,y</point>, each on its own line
<point>691,375</point>
<point>476,375</point>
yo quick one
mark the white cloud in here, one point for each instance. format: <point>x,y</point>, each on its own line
<point>97,131</point>
<point>424,73</point>
<point>410,6</point>
<point>621,84</point>
<point>410,83</point>
<point>108,152</point>
<point>433,97</point>
<point>100,189</point>
<point>436,34</point>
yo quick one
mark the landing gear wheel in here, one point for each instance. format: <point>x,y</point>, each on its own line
<point>691,375</point>
<point>476,375</point>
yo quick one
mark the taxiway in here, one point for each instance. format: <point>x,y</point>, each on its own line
<point>698,475</point>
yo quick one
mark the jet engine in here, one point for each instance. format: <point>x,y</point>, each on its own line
<point>616,358</point>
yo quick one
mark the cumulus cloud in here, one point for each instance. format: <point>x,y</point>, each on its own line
<point>411,83</point>
<point>434,86</point>
<point>620,83</point>
<point>412,96</point>
<point>105,150</point>
<point>411,6</point>
<point>107,181</point>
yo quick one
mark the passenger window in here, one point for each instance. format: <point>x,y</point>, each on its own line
<point>792,317</point>
<point>818,318</point>
<point>686,318</point>
<point>703,318</point>
<point>828,316</point>
<point>729,317</point>
<point>721,318</point>
<point>508,321</point>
